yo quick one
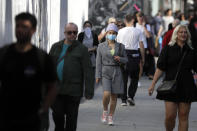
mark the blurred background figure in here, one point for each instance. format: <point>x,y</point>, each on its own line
<point>145,29</point>
<point>149,65</point>
<point>158,31</point>
<point>193,30</point>
<point>183,20</point>
<point>90,40</point>
<point>168,34</point>
<point>120,24</point>
<point>168,18</point>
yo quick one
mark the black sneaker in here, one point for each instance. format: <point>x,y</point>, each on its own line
<point>124,103</point>
<point>131,102</point>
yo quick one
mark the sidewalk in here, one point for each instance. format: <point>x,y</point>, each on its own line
<point>146,115</point>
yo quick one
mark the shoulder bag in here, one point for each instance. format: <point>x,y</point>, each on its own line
<point>170,86</point>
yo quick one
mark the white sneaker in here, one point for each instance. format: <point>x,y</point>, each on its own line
<point>104,117</point>
<point>123,104</point>
<point>110,120</point>
<point>139,84</point>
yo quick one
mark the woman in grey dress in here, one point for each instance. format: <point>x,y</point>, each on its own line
<point>110,55</point>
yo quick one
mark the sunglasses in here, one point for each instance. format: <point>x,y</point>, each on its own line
<point>72,32</point>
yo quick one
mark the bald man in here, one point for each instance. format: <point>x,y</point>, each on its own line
<point>74,70</point>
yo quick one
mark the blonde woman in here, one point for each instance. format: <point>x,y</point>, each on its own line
<point>186,92</point>
<point>110,55</point>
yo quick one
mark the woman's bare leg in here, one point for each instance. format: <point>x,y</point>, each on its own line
<point>170,115</point>
<point>183,114</point>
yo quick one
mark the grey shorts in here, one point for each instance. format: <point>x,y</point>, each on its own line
<point>114,87</point>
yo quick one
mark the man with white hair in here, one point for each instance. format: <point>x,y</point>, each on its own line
<point>74,69</point>
<point>168,35</point>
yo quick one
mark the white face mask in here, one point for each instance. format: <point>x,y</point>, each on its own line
<point>88,32</point>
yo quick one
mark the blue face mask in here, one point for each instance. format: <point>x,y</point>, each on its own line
<point>111,37</point>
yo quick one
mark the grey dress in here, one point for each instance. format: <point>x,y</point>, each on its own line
<point>108,69</point>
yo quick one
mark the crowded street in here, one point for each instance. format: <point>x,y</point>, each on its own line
<point>98,65</point>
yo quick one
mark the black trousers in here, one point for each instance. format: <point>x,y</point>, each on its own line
<point>132,71</point>
<point>149,65</point>
<point>69,106</point>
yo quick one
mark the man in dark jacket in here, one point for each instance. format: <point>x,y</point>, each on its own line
<point>74,70</point>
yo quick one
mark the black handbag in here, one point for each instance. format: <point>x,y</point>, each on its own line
<point>170,86</point>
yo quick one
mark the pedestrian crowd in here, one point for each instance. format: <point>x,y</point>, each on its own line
<point>32,81</point>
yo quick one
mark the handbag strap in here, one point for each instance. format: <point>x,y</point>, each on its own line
<point>180,63</point>
<point>119,50</point>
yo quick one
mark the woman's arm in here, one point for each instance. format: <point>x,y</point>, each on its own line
<point>147,33</point>
<point>101,35</point>
<point>156,77</point>
<point>98,65</point>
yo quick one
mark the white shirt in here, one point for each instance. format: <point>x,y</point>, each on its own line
<point>130,37</point>
<point>141,27</point>
<point>167,20</point>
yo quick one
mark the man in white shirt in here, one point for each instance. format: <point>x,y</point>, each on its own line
<point>145,28</point>
<point>131,37</point>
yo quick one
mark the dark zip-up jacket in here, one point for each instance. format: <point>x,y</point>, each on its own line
<point>77,70</point>
<point>94,36</point>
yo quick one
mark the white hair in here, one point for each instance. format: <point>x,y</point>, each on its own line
<point>174,36</point>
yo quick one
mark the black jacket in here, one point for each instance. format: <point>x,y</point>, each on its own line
<point>94,35</point>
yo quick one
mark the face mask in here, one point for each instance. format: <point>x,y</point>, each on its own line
<point>88,31</point>
<point>111,37</point>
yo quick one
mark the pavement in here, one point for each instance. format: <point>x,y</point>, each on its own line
<point>146,115</point>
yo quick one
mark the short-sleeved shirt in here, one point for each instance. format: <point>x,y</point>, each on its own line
<point>167,20</point>
<point>168,62</point>
<point>141,27</point>
<point>22,76</point>
<point>130,37</point>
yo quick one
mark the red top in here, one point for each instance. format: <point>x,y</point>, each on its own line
<point>167,37</point>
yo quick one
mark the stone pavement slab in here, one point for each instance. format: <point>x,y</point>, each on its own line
<point>146,115</point>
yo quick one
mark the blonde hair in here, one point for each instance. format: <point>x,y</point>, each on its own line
<point>174,36</point>
<point>111,20</point>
